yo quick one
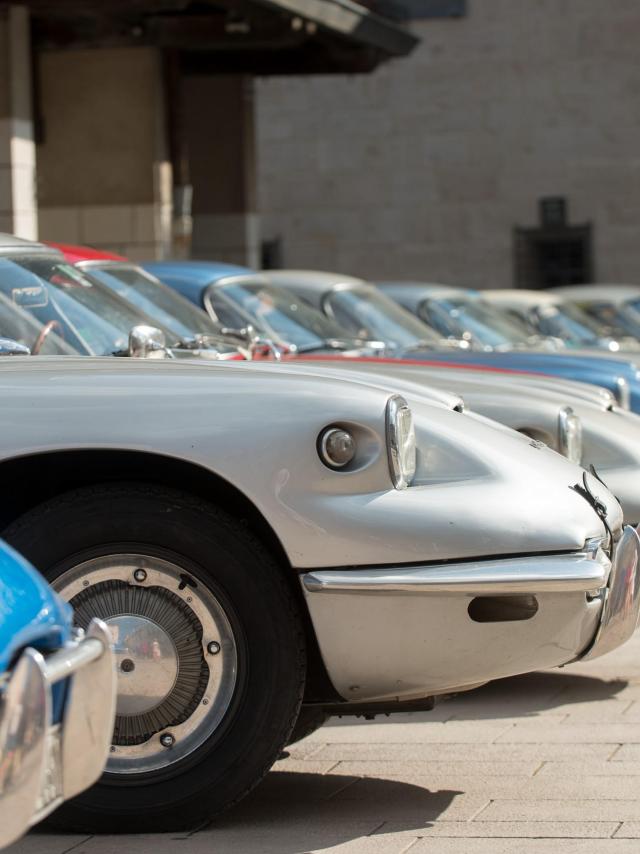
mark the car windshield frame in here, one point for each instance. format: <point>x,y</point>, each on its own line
<point>380,318</point>
<point>93,318</point>
<point>282,316</point>
<point>616,325</point>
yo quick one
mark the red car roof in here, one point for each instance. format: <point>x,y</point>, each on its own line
<point>75,254</point>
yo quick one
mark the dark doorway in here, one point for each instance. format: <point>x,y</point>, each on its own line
<point>546,257</point>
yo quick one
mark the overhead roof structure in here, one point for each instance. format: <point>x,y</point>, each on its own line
<point>258,37</point>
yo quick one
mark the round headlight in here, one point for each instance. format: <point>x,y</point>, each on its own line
<point>570,434</point>
<point>336,447</point>
<point>401,442</point>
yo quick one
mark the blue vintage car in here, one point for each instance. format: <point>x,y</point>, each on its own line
<point>57,699</point>
<point>238,297</point>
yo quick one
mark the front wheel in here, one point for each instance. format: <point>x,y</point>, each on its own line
<point>209,648</point>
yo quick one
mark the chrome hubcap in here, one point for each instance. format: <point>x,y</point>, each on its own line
<point>175,650</point>
<point>147,663</point>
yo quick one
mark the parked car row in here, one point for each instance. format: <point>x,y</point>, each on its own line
<point>302,501</point>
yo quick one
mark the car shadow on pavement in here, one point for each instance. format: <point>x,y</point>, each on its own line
<point>297,812</point>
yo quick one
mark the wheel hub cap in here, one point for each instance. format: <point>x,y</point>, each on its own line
<point>172,691</point>
<point>147,663</point>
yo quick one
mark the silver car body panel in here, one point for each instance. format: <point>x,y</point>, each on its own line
<point>491,510</point>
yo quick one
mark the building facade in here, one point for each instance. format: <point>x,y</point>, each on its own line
<point>503,151</point>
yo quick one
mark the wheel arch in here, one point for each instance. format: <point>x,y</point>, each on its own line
<point>29,480</point>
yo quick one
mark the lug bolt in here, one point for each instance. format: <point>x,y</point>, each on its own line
<point>85,583</point>
<point>140,575</point>
<point>167,740</point>
<point>213,647</point>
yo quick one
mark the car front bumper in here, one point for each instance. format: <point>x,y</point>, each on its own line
<point>42,762</point>
<point>398,634</point>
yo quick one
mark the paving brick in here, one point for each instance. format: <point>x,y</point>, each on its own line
<point>525,846</point>
<point>434,770</point>
<point>510,829</point>
<point>43,843</point>
<point>468,753</point>
<point>533,732</point>
<point>588,768</point>
<point>452,732</point>
<point>628,830</point>
<point>561,810</point>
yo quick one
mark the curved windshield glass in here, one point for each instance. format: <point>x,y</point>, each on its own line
<point>612,320</point>
<point>367,313</point>
<point>568,323</point>
<point>479,320</point>
<point>279,314</point>
<point>18,325</point>
<point>157,300</point>
<point>86,314</point>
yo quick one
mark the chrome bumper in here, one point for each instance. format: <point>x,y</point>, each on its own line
<point>43,764</point>
<point>407,632</point>
<point>621,599</point>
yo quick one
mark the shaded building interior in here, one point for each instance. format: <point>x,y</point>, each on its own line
<point>129,124</point>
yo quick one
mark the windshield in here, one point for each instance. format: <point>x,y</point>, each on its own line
<point>568,323</point>
<point>156,300</point>
<point>18,325</point>
<point>87,315</point>
<point>613,320</point>
<point>278,313</point>
<point>460,318</point>
<point>367,313</point>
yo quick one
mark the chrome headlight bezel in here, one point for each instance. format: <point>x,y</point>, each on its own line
<point>623,393</point>
<point>570,435</point>
<point>401,442</point>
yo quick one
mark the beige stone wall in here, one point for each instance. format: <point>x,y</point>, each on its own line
<point>103,175</point>
<point>423,168</point>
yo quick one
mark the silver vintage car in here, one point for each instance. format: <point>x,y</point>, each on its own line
<point>270,546</point>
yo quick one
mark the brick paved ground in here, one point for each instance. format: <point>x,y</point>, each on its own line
<point>542,763</point>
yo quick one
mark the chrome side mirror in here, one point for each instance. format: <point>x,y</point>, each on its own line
<point>9,347</point>
<point>147,342</point>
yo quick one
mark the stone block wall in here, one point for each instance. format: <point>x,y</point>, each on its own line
<point>424,168</point>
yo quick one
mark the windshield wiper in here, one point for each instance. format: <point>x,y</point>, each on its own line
<point>327,344</point>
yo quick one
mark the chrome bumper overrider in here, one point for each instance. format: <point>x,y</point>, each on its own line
<point>43,764</point>
<point>403,632</point>
<point>622,597</point>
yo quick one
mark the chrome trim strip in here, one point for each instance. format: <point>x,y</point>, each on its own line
<point>622,600</point>
<point>550,574</point>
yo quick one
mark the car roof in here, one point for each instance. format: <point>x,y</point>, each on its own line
<point>312,285</point>
<point>520,297</point>
<point>196,272</point>
<point>416,292</point>
<point>11,245</point>
<point>599,293</point>
<point>74,254</point>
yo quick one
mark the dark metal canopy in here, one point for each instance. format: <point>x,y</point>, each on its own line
<point>258,37</point>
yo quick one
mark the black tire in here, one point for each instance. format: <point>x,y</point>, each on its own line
<point>309,720</point>
<point>218,551</point>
